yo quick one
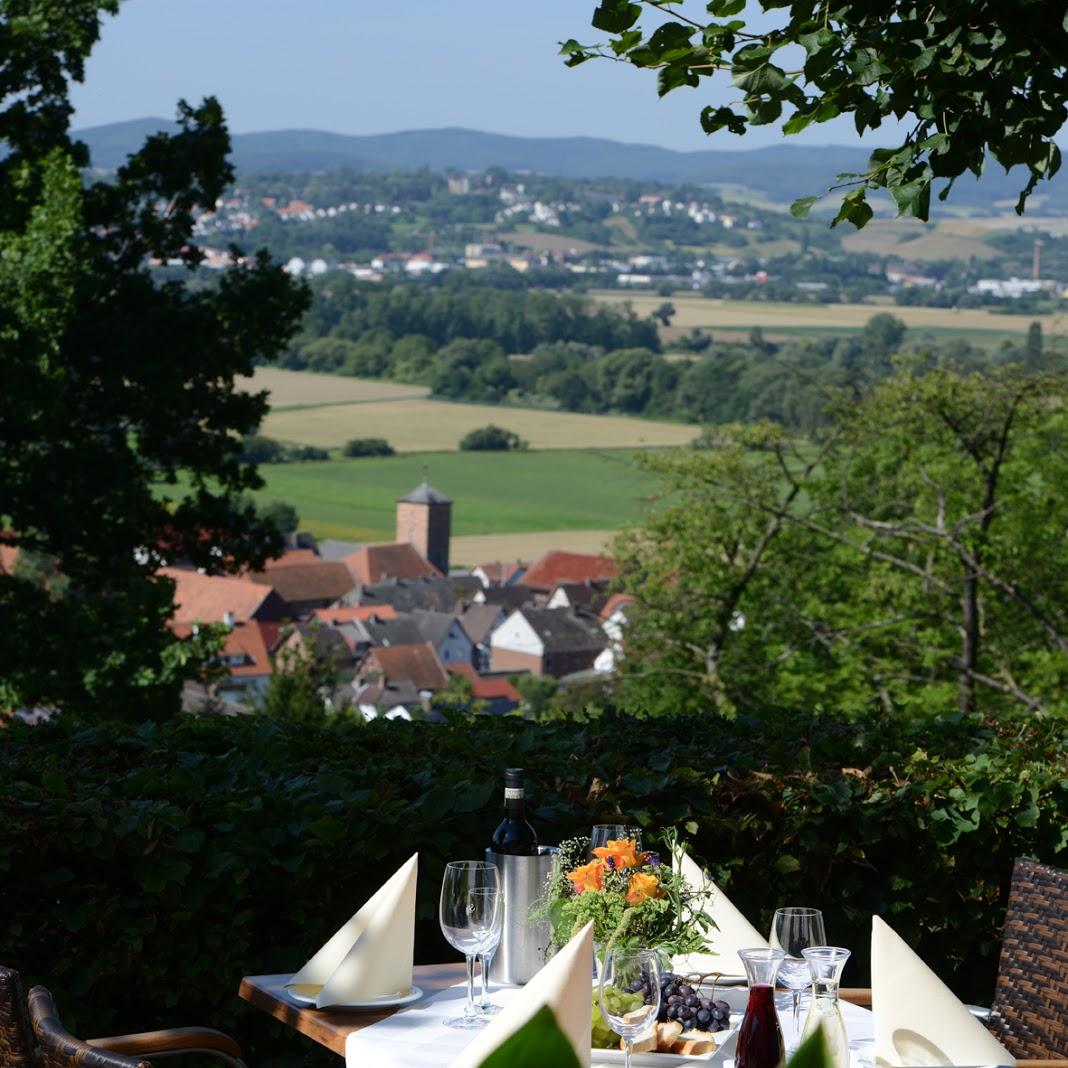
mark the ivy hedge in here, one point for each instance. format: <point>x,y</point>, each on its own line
<point>144,871</point>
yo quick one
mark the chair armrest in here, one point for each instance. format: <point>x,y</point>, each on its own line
<point>856,995</point>
<point>1042,1064</point>
<point>172,1040</point>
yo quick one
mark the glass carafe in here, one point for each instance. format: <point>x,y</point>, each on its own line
<point>760,1042</point>
<point>824,1014</point>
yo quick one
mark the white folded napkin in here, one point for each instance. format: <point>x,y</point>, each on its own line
<point>565,984</point>
<point>731,933</point>
<point>373,954</point>
<point>918,1021</point>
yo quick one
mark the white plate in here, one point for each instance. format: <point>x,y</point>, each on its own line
<point>386,1001</point>
<point>617,1056</point>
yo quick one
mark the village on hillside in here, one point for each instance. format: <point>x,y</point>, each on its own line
<point>397,625</point>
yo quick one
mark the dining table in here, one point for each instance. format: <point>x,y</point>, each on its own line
<point>416,1037</point>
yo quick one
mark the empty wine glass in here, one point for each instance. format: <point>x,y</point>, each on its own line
<point>485,1006</point>
<point>629,993</point>
<point>471,915</point>
<point>793,930</point>
<point>603,833</point>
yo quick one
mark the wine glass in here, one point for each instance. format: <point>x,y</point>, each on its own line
<point>603,833</point>
<point>485,1006</point>
<point>471,915</point>
<point>794,930</point>
<point>629,993</point>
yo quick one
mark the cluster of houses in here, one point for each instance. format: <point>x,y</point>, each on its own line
<point>397,626</point>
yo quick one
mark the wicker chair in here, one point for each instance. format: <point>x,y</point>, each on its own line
<point>1029,1016</point>
<point>38,1039</point>
<point>1030,1011</point>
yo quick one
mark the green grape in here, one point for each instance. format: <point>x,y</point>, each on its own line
<point>618,1003</point>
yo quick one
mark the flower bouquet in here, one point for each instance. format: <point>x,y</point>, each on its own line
<point>632,898</point>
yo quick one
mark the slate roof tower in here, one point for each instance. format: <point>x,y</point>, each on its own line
<point>424,518</point>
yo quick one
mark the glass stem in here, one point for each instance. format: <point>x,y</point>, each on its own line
<point>797,1009</point>
<point>628,1045</point>
<point>486,959</point>
<point>469,1008</point>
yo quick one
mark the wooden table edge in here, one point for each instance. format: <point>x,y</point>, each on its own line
<point>330,1029</point>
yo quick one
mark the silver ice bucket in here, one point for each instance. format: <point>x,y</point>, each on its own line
<point>523,946</point>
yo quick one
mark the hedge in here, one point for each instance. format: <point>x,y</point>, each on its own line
<point>144,871</point>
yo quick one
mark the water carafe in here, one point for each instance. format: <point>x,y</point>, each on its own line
<point>824,1013</point>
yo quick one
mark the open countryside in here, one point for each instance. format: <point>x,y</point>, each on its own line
<point>714,315</point>
<point>411,422</point>
<point>493,494</point>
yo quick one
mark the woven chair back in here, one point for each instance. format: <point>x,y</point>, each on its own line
<point>1030,1011</point>
<point>16,1038</point>
<point>57,1048</point>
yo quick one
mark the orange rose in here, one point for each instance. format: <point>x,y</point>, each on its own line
<point>588,877</point>
<point>623,852</point>
<point>642,887</point>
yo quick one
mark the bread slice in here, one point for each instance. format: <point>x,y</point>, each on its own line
<point>645,1044</point>
<point>694,1043</point>
<point>667,1034</point>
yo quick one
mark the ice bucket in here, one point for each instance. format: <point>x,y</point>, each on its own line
<point>523,942</point>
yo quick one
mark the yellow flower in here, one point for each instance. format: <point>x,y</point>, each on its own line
<point>642,887</point>
<point>623,853</point>
<point>588,877</point>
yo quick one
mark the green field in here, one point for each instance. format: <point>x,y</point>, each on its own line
<point>493,493</point>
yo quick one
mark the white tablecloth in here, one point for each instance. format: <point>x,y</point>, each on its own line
<point>415,1037</point>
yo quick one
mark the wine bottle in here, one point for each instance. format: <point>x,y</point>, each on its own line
<point>514,836</point>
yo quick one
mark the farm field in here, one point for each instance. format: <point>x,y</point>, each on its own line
<point>291,389</point>
<point>589,491</point>
<point>424,425</point>
<point>736,316</point>
<point>474,549</point>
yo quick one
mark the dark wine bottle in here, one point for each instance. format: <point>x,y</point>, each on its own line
<point>514,836</point>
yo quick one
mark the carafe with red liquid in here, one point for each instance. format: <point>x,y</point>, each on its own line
<point>760,1043</point>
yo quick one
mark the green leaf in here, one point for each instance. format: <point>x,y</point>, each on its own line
<point>800,208</point>
<point>723,9</point>
<point>787,864</point>
<point>539,1043</point>
<point>615,16</point>
<point>913,198</point>
<point>328,829</point>
<point>812,1053</point>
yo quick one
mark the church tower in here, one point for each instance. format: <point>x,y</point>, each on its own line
<point>424,518</point>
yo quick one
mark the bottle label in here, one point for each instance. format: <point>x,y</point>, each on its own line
<point>514,793</point>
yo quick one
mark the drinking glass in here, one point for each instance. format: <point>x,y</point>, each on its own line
<point>603,833</point>
<point>626,973</point>
<point>471,914</point>
<point>485,1006</point>
<point>794,930</point>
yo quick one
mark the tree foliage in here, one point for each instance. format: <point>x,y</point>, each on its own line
<point>971,80</point>
<point>914,558</point>
<point>115,383</point>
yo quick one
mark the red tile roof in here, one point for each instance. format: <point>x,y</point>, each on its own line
<point>248,643</point>
<point>417,663</point>
<point>354,613</point>
<point>373,563</point>
<point>556,566</point>
<point>9,555</point>
<point>484,689</point>
<point>295,556</point>
<point>207,598</point>
<point>614,602</point>
<point>323,580</point>
<point>499,572</point>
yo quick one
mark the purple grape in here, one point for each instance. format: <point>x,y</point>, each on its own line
<point>704,1018</point>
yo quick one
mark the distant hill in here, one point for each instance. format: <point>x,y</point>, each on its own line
<point>777,172</point>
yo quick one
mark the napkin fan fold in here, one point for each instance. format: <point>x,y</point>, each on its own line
<point>731,933</point>
<point>372,955</point>
<point>565,985</point>
<point>918,1020</point>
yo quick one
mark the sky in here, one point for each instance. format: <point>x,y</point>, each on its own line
<point>376,66</point>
